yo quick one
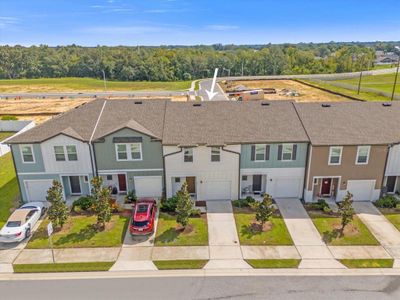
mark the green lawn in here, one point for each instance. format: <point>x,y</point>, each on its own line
<point>9,192</point>
<point>197,85</point>
<point>168,233</point>
<point>63,267</point>
<point>273,263</point>
<point>80,232</point>
<point>328,225</point>
<point>5,134</point>
<point>383,82</point>
<point>85,84</point>
<point>180,264</point>
<point>392,215</point>
<point>278,235</point>
<point>367,263</point>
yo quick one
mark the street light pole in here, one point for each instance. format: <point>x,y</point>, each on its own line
<point>104,79</point>
<point>361,74</point>
<point>395,77</point>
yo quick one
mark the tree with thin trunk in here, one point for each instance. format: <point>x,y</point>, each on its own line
<point>264,210</point>
<point>58,210</point>
<point>184,206</point>
<point>101,201</point>
<point>346,211</point>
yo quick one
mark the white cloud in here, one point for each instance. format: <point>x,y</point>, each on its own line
<point>124,29</point>
<point>6,22</point>
<point>219,27</point>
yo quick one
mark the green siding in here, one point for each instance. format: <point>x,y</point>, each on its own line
<point>38,166</point>
<point>106,156</point>
<point>84,186</point>
<point>273,162</point>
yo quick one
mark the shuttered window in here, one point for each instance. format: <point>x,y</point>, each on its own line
<point>260,152</point>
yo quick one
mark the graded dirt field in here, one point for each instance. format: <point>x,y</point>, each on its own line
<point>307,93</point>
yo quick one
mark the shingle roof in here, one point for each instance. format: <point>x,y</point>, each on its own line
<point>351,123</point>
<point>231,122</point>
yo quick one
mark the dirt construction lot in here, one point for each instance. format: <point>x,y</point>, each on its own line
<point>306,93</point>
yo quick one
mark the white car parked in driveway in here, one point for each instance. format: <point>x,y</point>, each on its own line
<point>21,222</point>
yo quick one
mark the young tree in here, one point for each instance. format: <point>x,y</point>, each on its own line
<point>346,210</point>
<point>264,210</point>
<point>184,206</point>
<point>58,210</point>
<point>101,204</point>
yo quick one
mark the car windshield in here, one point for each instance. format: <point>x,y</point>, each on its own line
<point>142,208</point>
<point>13,224</point>
<point>140,223</point>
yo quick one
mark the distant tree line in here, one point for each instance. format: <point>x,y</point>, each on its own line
<point>171,63</point>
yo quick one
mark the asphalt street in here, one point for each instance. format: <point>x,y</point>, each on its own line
<point>249,287</point>
<point>206,85</point>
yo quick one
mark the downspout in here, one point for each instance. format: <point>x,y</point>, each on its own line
<point>240,159</point>
<point>164,172</point>
<point>16,172</point>
<point>306,170</point>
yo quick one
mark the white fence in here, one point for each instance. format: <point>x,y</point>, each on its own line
<point>18,127</point>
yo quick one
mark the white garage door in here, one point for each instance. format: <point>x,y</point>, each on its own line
<point>148,186</point>
<point>362,190</point>
<point>216,190</point>
<point>36,190</point>
<point>287,188</point>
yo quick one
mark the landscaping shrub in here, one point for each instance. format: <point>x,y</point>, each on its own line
<point>131,197</point>
<point>84,203</point>
<point>248,201</point>
<point>387,202</point>
<point>196,212</point>
<point>9,118</point>
<point>321,205</point>
<point>169,205</point>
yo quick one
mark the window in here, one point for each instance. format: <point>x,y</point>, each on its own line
<point>27,154</point>
<point>287,152</point>
<point>215,154</point>
<point>134,153</point>
<point>177,179</point>
<point>244,177</point>
<point>260,152</point>
<point>362,155</point>
<point>85,179</point>
<point>188,155</point>
<point>59,152</point>
<point>335,155</point>
<point>109,177</point>
<point>71,153</point>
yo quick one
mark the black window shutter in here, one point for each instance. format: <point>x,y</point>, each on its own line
<point>294,152</point>
<point>280,152</point>
<point>253,152</point>
<point>267,152</point>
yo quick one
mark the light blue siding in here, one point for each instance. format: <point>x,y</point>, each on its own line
<point>21,179</point>
<point>22,167</point>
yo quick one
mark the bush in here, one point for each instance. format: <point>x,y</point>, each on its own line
<point>131,197</point>
<point>321,205</point>
<point>170,204</point>
<point>83,203</point>
<point>387,202</point>
<point>196,212</point>
<point>9,118</point>
<point>248,201</point>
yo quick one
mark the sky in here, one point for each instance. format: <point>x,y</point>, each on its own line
<point>184,22</point>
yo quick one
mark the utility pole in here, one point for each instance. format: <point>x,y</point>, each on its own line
<point>361,74</point>
<point>397,73</point>
<point>104,79</point>
<point>242,67</point>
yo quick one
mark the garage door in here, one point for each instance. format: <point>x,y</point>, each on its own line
<point>216,190</point>
<point>362,190</point>
<point>36,190</point>
<point>148,186</point>
<point>287,188</point>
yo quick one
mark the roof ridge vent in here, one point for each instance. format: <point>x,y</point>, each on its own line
<point>263,103</point>
<point>325,105</point>
<point>196,104</point>
<point>386,104</point>
<point>138,102</point>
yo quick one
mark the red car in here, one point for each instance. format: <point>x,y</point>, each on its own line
<point>143,216</point>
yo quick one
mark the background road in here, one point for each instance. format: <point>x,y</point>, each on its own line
<point>250,287</point>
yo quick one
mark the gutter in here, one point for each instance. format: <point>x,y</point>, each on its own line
<point>240,159</point>
<point>164,171</point>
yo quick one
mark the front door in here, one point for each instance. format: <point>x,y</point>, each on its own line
<point>391,184</point>
<point>75,185</point>
<point>326,186</point>
<point>191,183</point>
<point>257,183</point>
<point>122,182</point>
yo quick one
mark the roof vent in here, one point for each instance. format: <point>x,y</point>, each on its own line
<point>138,102</point>
<point>325,105</point>
<point>265,103</point>
<point>196,104</point>
<point>386,104</point>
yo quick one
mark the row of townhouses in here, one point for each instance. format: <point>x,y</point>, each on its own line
<point>222,149</point>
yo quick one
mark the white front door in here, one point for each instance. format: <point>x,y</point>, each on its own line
<point>362,190</point>
<point>287,188</point>
<point>216,190</point>
<point>148,186</point>
<point>36,190</point>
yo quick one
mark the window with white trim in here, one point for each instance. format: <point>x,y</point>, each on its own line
<point>363,155</point>
<point>27,154</point>
<point>70,150</point>
<point>287,151</point>
<point>130,151</point>
<point>215,154</point>
<point>260,152</point>
<point>188,155</point>
<point>335,155</point>
<point>71,153</point>
<point>59,153</point>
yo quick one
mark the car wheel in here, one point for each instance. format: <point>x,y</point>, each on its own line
<point>27,232</point>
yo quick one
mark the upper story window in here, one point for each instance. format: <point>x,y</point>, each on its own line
<point>287,152</point>
<point>188,155</point>
<point>259,152</point>
<point>72,154</point>
<point>363,155</point>
<point>215,154</point>
<point>27,154</point>
<point>59,153</point>
<point>131,151</point>
<point>335,155</point>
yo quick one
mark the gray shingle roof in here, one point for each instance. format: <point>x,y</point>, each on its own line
<point>351,123</point>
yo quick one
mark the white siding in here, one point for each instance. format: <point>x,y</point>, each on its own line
<point>81,166</point>
<point>203,169</point>
<point>393,163</point>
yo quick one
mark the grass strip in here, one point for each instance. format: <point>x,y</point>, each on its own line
<point>273,263</point>
<point>367,263</point>
<point>62,267</point>
<point>180,264</point>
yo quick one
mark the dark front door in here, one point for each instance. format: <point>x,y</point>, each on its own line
<point>191,183</point>
<point>326,186</point>
<point>391,184</point>
<point>75,184</point>
<point>256,183</point>
<point>122,182</point>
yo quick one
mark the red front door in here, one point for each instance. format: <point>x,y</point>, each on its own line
<point>122,182</point>
<point>326,186</point>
